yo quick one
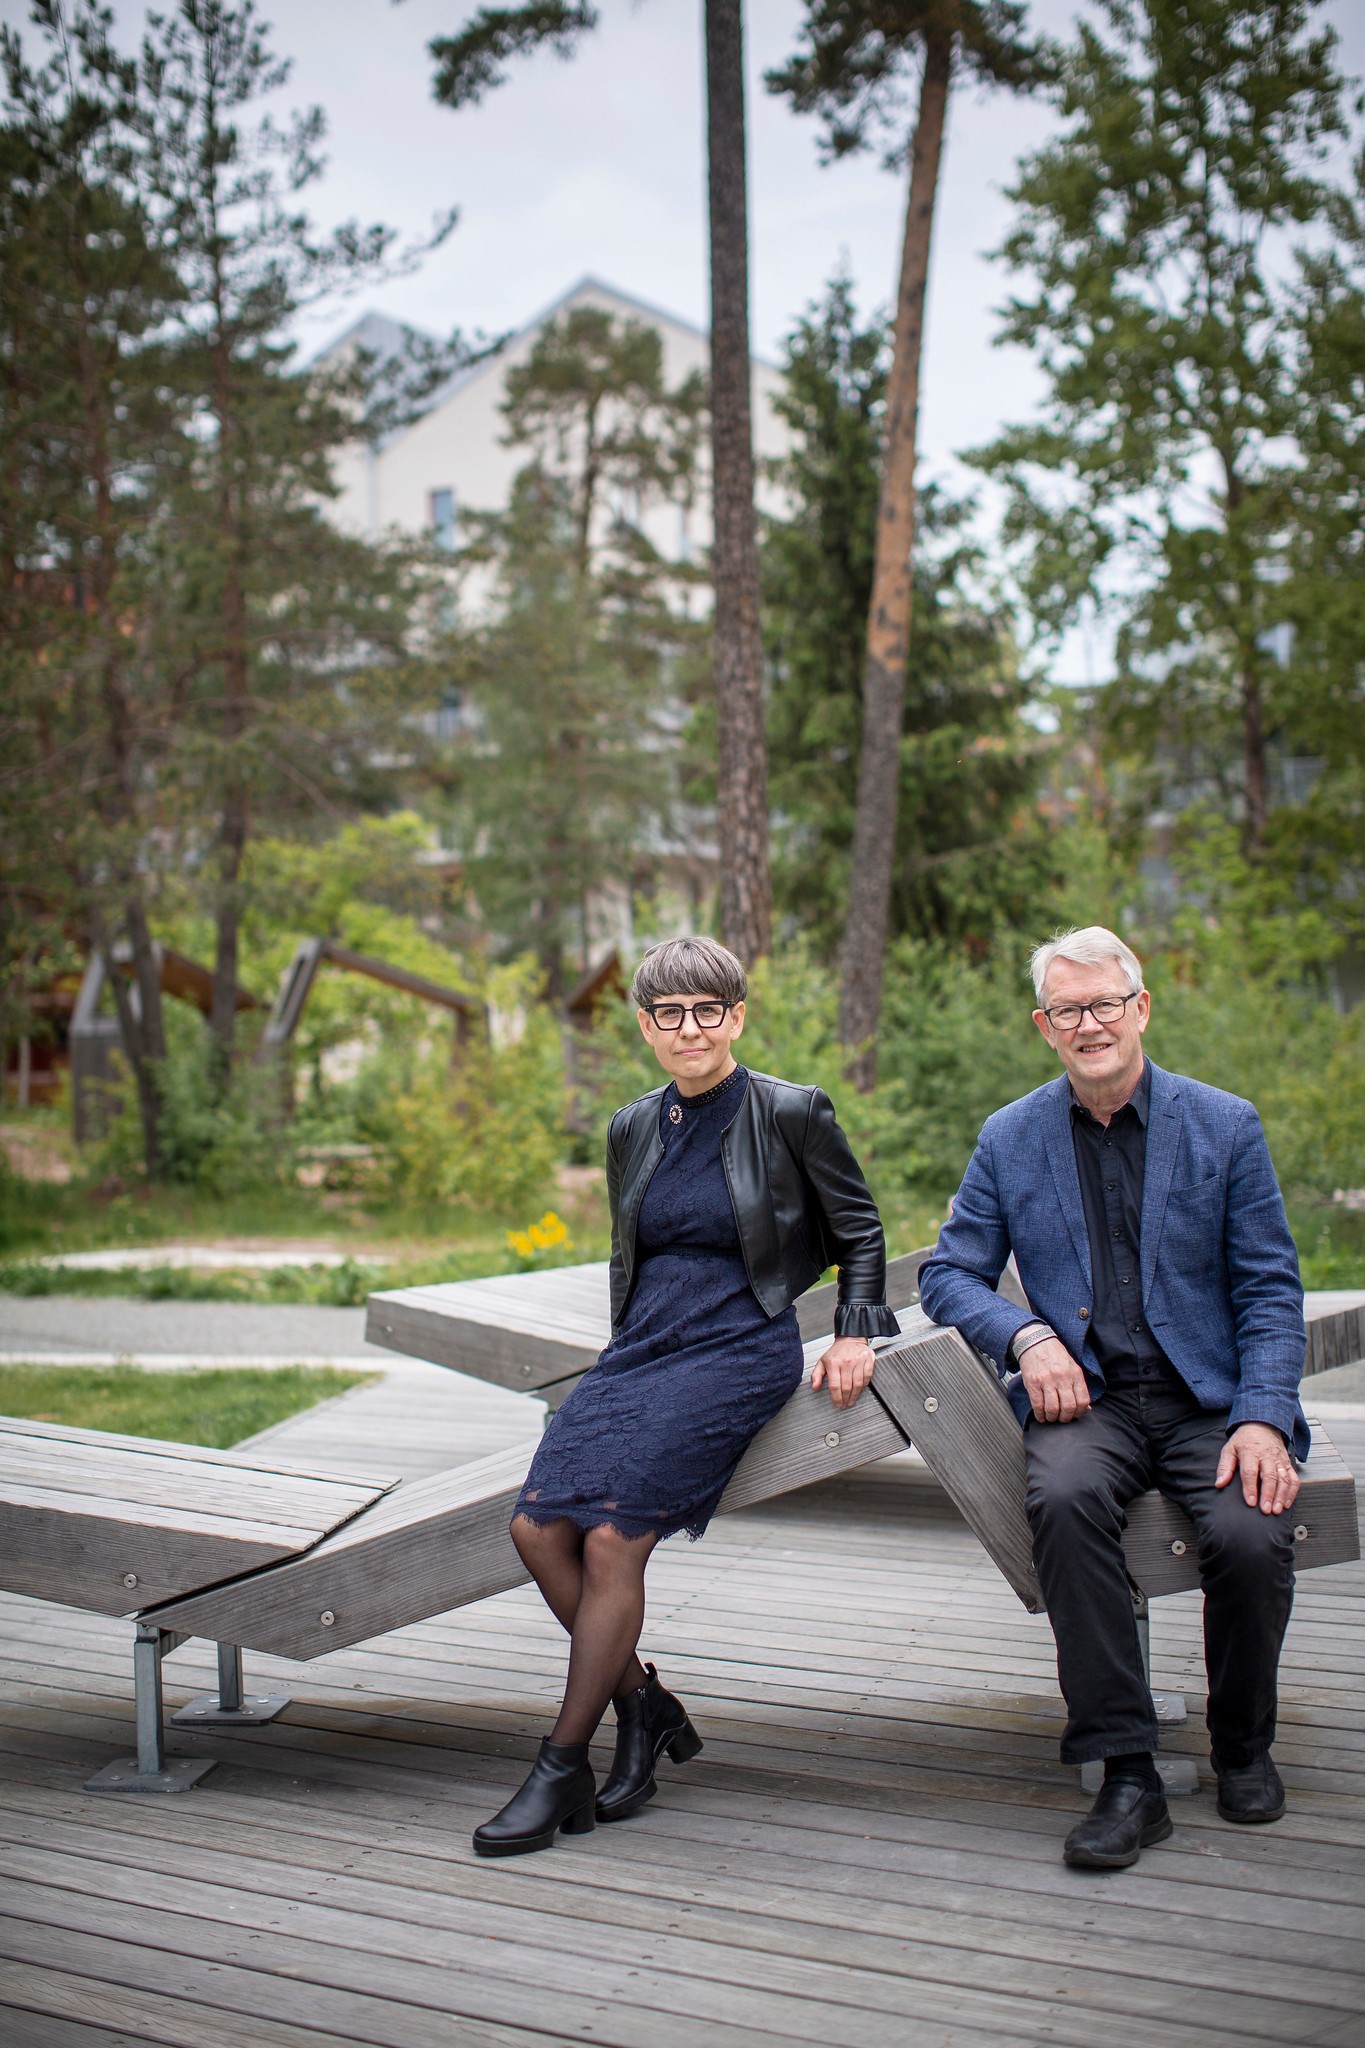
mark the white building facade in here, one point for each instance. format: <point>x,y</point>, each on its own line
<point>454,459</point>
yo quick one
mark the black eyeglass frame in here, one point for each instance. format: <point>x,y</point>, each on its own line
<point>1083,1009</point>
<point>689,1010</point>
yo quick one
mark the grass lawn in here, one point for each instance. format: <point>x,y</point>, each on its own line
<point>217,1407</point>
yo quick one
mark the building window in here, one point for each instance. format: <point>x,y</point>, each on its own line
<point>441,517</point>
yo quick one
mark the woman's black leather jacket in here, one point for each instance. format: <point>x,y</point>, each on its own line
<point>799,1198</point>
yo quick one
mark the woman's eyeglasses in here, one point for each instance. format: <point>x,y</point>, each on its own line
<point>706,1016</point>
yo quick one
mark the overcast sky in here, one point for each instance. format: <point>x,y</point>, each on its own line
<point>596,166</point>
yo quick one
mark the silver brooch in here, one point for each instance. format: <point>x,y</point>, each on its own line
<point>675,1113</point>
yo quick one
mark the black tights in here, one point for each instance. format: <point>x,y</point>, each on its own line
<point>593,1582</point>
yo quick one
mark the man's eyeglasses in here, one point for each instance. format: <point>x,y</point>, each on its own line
<point>706,1016</point>
<point>1104,1010</point>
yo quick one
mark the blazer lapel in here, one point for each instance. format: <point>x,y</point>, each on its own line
<point>1163,1142</point>
<point>1061,1157</point>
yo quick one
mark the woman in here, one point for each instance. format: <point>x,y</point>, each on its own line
<point>730,1193</point>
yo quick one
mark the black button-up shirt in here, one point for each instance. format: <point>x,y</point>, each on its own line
<point>1111,1160</point>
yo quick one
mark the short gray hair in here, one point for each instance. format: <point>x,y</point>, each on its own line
<point>689,967</point>
<point>1092,946</point>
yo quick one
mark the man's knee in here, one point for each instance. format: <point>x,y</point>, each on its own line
<point>1069,1491</point>
<point>1239,1542</point>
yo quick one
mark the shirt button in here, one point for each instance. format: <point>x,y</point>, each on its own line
<point>1118,1233</point>
<point>1125,1280</point>
<point>1111,1185</point>
<point>1136,1328</point>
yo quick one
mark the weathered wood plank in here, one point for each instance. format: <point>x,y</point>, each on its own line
<point>13,1426</point>
<point>1160,1539</point>
<point>1336,1330</point>
<point>951,1406</point>
<point>87,1556</point>
<point>809,1440</point>
<point>115,1523</point>
<point>438,1543</point>
<point>533,1331</point>
<point>442,1542</point>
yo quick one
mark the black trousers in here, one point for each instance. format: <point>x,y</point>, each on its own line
<point>1081,1477</point>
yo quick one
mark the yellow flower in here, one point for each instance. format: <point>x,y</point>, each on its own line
<point>547,1235</point>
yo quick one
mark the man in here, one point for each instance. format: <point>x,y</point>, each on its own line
<point>1163,1346</point>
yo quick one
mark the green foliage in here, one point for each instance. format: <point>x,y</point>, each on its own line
<point>215,1408</point>
<point>220,1140</point>
<point>563,777</point>
<point>1331,1245</point>
<point>1197,467</point>
<point>469,64</point>
<point>1300,1061</point>
<point>971,856</point>
<point>347,1285</point>
<point>481,1135</point>
<point>858,60</point>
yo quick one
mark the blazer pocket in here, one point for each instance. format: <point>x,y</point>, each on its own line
<point>1197,1190</point>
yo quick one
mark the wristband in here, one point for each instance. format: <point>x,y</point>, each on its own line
<point>1026,1337</point>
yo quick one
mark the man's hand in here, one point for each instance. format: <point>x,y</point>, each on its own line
<point>1269,1478</point>
<point>1054,1382</point>
<point>847,1365</point>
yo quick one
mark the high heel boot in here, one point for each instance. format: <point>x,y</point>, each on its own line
<point>558,1794</point>
<point>648,1722</point>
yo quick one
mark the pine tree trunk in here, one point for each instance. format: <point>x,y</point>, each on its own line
<point>142,1026</point>
<point>233,819</point>
<point>888,626</point>
<point>742,789</point>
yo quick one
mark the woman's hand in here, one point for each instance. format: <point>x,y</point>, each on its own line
<point>847,1365</point>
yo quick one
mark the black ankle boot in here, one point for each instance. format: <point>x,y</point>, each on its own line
<point>558,1794</point>
<point>648,1722</point>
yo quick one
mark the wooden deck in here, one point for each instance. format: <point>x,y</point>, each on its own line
<point>866,1853</point>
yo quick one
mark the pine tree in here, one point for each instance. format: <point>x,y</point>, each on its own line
<point>277,601</point>
<point>88,438</point>
<point>861,63</point>
<point>564,783</point>
<point>1183,467</point>
<point>971,857</point>
<point>468,65</point>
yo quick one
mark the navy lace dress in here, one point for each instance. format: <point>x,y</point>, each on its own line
<point>648,1439</point>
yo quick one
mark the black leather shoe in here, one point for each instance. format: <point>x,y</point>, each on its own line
<point>1125,1819</point>
<point>1251,1793</point>
<point>558,1794</point>
<point>648,1722</point>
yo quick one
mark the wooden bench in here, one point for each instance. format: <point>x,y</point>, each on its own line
<point>540,1331</point>
<point>118,1524</point>
<point>271,1557</point>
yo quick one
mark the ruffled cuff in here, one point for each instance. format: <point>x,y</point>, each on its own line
<point>865,1319</point>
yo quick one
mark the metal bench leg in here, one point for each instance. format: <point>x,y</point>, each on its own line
<point>151,1770</point>
<point>230,1707</point>
<point>1179,1774</point>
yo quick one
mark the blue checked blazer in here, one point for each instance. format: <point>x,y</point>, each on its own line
<point>1220,1275</point>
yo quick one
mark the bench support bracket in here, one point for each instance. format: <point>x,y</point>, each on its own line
<point>230,1707</point>
<point>151,1770</point>
<point>1179,1774</point>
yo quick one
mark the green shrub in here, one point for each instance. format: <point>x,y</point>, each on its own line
<point>217,1141</point>
<point>1299,1060</point>
<point>484,1133</point>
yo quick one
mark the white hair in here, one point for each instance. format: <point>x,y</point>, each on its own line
<point>1093,946</point>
